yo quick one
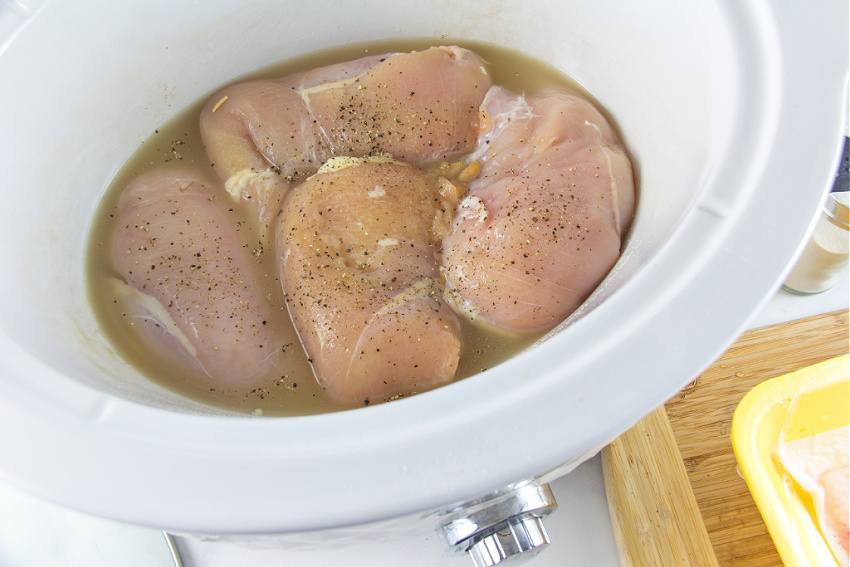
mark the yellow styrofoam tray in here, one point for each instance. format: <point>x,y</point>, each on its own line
<point>790,407</point>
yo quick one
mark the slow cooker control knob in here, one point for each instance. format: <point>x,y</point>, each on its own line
<point>505,528</point>
<point>518,540</point>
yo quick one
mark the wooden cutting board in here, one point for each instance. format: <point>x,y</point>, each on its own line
<point>672,481</point>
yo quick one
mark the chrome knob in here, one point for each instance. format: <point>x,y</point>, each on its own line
<point>505,528</point>
<point>518,540</point>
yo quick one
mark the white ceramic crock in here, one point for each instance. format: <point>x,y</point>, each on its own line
<point>733,112</point>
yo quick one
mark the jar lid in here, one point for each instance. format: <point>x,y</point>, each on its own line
<point>837,206</point>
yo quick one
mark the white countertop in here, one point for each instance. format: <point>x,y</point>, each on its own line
<point>34,532</point>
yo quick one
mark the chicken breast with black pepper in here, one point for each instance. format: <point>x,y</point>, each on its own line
<point>543,222</point>
<point>358,245</point>
<point>417,107</point>
<point>189,285</point>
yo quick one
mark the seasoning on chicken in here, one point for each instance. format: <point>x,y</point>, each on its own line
<point>418,107</point>
<point>187,283</point>
<point>358,244</point>
<point>543,222</point>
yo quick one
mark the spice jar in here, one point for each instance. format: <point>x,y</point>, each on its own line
<point>825,256</point>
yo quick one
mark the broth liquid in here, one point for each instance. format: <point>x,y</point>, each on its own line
<point>178,142</point>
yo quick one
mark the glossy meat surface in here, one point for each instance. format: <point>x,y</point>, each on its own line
<point>542,224</point>
<point>189,284</point>
<point>417,107</point>
<point>394,193</point>
<point>357,256</point>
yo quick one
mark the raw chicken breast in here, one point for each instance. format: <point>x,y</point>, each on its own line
<point>358,243</point>
<point>542,224</point>
<point>418,107</point>
<point>188,283</point>
<point>836,485</point>
<point>820,464</point>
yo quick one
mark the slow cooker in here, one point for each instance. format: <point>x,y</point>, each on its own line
<point>732,112</point>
